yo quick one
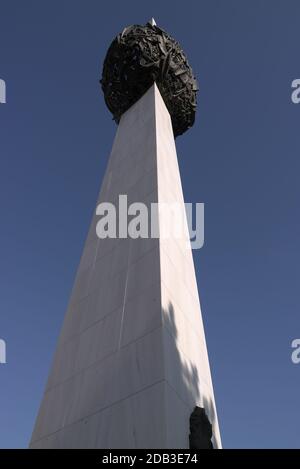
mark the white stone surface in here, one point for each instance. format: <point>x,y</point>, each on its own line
<point>131,361</point>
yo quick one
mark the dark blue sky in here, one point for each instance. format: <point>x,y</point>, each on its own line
<point>241,159</point>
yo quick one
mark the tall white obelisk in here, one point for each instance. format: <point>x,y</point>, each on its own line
<point>131,362</point>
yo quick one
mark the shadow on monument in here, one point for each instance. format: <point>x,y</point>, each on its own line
<point>188,389</point>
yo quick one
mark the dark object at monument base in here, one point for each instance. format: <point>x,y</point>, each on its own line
<point>200,430</point>
<point>140,56</point>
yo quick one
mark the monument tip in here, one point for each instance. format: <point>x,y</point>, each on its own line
<point>152,22</point>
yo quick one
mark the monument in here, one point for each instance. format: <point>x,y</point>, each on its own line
<point>131,368</point>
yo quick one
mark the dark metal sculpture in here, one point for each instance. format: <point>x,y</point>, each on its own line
<point>140,56</point>
<point>200,430</point>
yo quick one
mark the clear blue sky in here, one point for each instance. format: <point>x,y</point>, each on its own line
<point>241,159</point>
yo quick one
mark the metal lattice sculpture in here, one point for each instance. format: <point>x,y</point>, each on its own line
<point>140,56</point>
<point>200,430</point>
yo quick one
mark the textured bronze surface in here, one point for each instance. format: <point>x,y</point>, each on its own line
<point>200,430</point>
<point>140,56</point>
